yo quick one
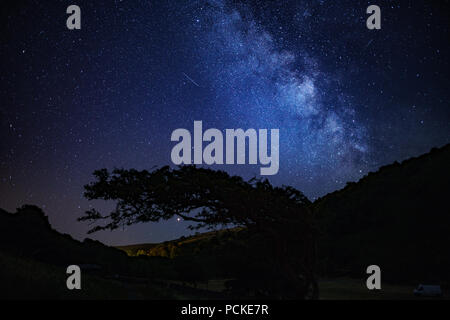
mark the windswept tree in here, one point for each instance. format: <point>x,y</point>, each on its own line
<point>209,198</point>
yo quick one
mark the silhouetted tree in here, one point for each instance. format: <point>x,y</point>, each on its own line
<point>211,198</point>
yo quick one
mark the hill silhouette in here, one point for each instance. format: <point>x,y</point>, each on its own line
<point>28,233</point>
<point>201,243</point>
<point>34,258</point>
<point>397,218</point>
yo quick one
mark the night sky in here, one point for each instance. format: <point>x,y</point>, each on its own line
<point>346,99</point>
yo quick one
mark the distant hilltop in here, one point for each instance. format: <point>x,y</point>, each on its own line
<point>182,246</point>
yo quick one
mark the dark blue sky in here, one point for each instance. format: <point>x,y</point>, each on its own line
<point>346,99</point>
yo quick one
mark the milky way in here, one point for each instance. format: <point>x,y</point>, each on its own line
<point>346,99</point>
<point>260,85</point>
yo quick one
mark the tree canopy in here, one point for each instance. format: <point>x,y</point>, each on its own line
<point>203,196</point>
<point>210,198</point>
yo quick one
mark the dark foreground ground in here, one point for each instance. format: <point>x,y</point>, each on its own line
<point>27,279</point>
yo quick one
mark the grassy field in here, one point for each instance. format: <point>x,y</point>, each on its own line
<point>353,289</point>
<point>25,279</point>
<point>22,278</point>
<point>338,289</point>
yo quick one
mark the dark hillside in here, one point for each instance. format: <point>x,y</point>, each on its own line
<point>397,218</point>
<point>27,234</point>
